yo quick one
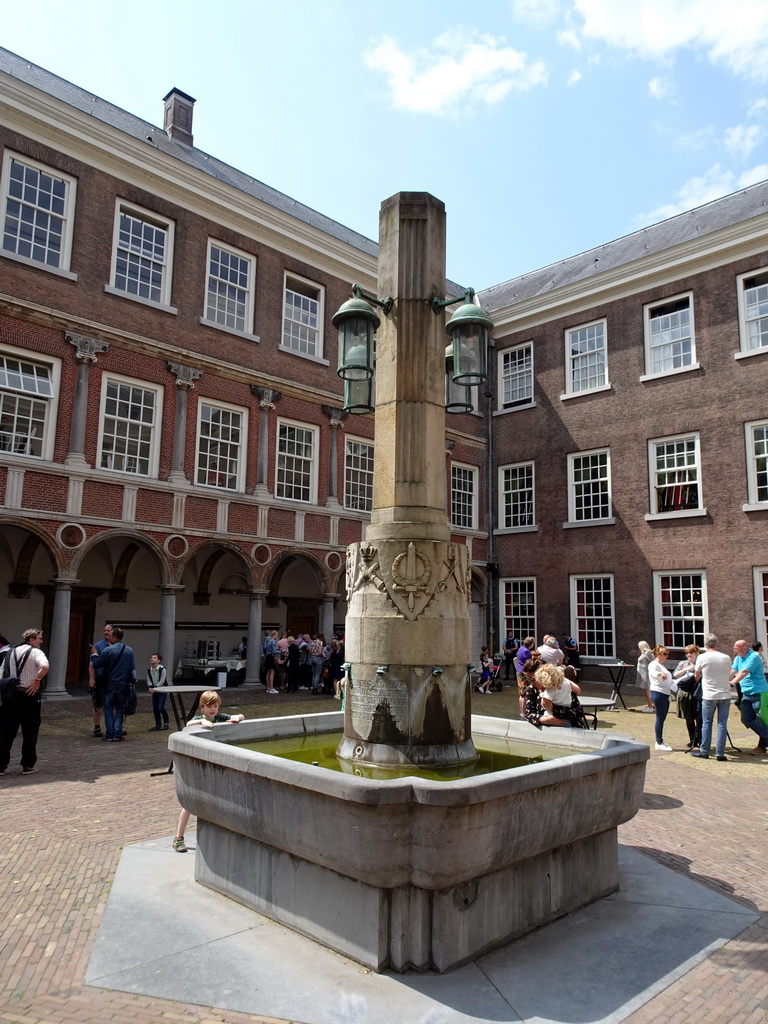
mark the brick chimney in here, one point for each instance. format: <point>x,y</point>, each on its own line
<point>178,116</point>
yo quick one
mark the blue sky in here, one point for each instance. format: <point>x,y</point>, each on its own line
<point>546,126</point>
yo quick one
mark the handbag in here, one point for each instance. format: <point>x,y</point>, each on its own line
<point>131,700</point>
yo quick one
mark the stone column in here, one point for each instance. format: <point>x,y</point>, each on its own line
<point>408,627</point>
<point>185,381</point>
<point>335,418</point>
<point>326,615</point>
<point>166,642</point>
<point>253,652</point>
<point>86,351</point>
<point>267,398</point>
<point>58,642</point>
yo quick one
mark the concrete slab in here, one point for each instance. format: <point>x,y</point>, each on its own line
<point>597,965</point>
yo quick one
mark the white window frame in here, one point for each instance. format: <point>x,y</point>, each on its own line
<point>754,502</point>
<point>503,521</point>
<point>67,216</point>
<point>648,311</point>
<point>213,403</point>
<point>745,351</point>
<point>504,619</point>
<point>314,461</point>
<point>158,221</point>
<point>49,436</point>
<point>210,320</point>
<point>700,510</point>
<point>584,646</point>
<point>570,390</point>
<point>154,448</point>
<point>349,488</point>
<point>608,520</point>
<point>317,355</point>
<point>761,612</point>
<point>518,404</point>
<point>472,471</point>
<point>658,610</point>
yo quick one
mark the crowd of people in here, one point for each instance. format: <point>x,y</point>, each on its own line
<point>303,662</point>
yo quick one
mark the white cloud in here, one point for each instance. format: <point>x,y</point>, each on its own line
<point>757,107</point>
<point>574,77</point>
<point>716,182</point>
<point>658,87</point>
<point>742,138</point>
<point>735,34</point>
<point>458,70</point>
<point>536,12</point>
<point>569,38</point>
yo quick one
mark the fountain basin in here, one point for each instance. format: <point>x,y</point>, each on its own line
<point>408,873</point>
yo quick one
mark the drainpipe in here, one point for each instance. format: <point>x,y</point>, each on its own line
<point>490,507</point>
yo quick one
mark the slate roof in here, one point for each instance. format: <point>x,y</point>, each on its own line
<point>720,213</point>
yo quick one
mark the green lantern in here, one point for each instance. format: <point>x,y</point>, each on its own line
<point>469,329</point>
<point>357,322</point>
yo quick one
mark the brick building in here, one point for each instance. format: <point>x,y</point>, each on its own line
<point>173,455</point>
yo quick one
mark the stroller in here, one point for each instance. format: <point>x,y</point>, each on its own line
<point>495,682</point>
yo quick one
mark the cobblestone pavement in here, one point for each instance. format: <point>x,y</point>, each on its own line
<point>63,829</point>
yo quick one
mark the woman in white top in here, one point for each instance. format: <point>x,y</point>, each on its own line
<point>661,689</point>
<point>646,657</point>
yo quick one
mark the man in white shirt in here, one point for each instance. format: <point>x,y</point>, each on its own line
<point>22,708</point>
<point>713,670</point>
<point>550,653</point>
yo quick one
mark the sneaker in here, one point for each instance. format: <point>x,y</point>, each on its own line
<point>2,772</point>
<point>303,687</point>
<point>179,845</point>
<point>647,711</point>
<point>663,746</point>
<point>29,771</point>
<point>698,753</point>
<point>721,757</point>
<point>165,726</point>
<point>97,732</point>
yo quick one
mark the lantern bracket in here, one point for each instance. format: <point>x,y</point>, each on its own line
<point>438,305</point>
<point>384,304</point>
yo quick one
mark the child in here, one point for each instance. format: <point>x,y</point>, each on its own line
<point>559,697</point>
<point>486,664</point>
<point>157,676</point>
<point>207,715</point>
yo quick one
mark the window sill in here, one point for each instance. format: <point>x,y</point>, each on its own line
<point>110,290</point>
<point>514,408</point>
<point>670,373</point>
<point>686,513</point>
<point>227,330</point>
<point>610,521</point>
<point>224,492</point>
<point>303,355</point>
<point>124,476</point>
<point>755,506</point>
<point>27,262</point>
<point>752,352</point>
<point>503,530</point>
<point>585,392</point>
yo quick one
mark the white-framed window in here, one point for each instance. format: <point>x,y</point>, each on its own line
<point>675,476</point>
<point>358,474</point>
<point>680,604</point>
<point>517,496</point>
<point>589,487</point>
<point>669,336</point>
<point>131,414</point>
<point>517,600</point>
<point>303,317</point>
<point>516,376</point>
<point>760,581</point>
<point>29,391</point>
<point>586,358</point>
<point>753,311</point>
<point>142,257</point>
<point>221,433</point>
<point>593,615</point>
<point>756,439</point>
<point>229,289</point>
<point>463,496</point>
<point>37,212</point>
<point>296,470</point>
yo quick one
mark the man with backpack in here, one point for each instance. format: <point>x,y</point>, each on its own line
<point>28,666</point>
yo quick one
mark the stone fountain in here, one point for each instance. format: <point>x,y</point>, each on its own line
<point>408,873</point>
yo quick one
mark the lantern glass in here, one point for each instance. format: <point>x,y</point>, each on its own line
<point>458,397</point>
<point>358,395</point>
<point>356,348</point>
<point>470,353</point>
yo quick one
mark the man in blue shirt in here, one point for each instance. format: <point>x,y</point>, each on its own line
<point>748,673</point>
<point>118,667</point>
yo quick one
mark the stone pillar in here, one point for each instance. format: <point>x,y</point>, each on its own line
<point>166,641</point>
<point>58,642</point>
<point>86,351</point>
<point>335,418</point>
<point>408,628</point>
<point>253,652</point>
<point>267,398</point>
<point>326,615</point>
<point>185,381</point>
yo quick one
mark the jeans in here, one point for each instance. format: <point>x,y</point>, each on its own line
<point>158,708</point>
<point>115,695</point>
<point>317,668</point>
<point>661,704</point>
<point>708,714</point>
<point>750,707</point>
